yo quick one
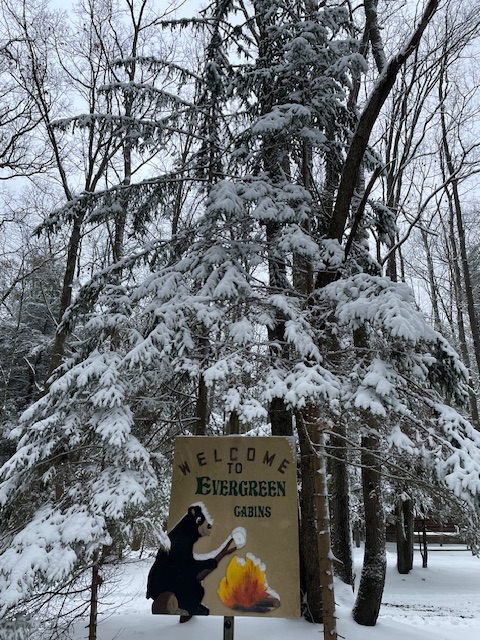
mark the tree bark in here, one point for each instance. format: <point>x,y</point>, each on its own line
<point>66,297</point>
<point>309,558</point>
<point>372,580</point>
<point>432,282</point>
<point>280,418</point>
<point>233,425</point>
<point>374,33</point>
<point>341,531</point>
<point>94,588</point>
<point>201,408</point>
<point>315,529</point>
<point>405,534</point>
<point>424,545</point>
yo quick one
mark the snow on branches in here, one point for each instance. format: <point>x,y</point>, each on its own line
<point>47,547</point>
<point>402,377</point>
<point>77,473</point>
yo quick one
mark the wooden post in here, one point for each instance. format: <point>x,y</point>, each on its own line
<point>94,586</point>
<point>228,627</point>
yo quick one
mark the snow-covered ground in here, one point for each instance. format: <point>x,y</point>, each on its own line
<point>438,603</point>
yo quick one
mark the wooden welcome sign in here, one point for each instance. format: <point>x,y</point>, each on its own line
<point>240,496</point>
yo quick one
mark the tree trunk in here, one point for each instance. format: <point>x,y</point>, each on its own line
<point>405,534</point>
<point>66,297</point>
<point>432,281</point>
<point>357,532</point>
<point>315,530</point>
<point>201,408</point>
<point>309,558</point>
<point>372,580</point>
<point>424,545</point>
<point>340,503</point>
<point>233,425</point>
<point>94,587</point>
<point>280,418</point>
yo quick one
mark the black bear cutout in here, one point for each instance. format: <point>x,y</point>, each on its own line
<point>176,572</point>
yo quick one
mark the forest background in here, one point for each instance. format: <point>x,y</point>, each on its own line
<point>258,219</point>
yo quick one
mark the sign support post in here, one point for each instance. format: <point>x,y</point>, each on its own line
<point>228,627</point>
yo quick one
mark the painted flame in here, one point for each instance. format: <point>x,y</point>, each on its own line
<point>245,585</point>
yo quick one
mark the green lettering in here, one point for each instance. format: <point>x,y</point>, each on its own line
<point>263,488</point>
<point>253,488</point>
<point>204,487</point>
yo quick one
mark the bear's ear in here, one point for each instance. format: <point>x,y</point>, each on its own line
<point>197,515</point>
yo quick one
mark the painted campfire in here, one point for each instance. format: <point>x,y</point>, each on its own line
<point>245,587</point>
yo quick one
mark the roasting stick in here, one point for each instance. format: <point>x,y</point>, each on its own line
<point>236,541</point>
